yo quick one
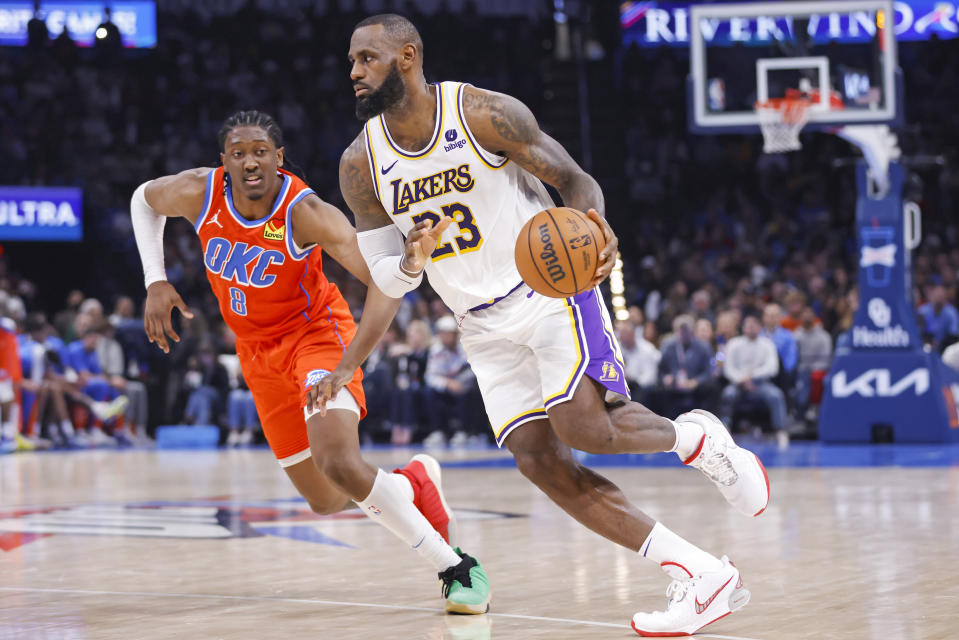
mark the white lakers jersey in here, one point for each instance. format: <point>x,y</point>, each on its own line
<point>488,197</point>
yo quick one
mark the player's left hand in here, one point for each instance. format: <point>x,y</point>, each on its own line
<point>607,257</point>
<point>327,388</point>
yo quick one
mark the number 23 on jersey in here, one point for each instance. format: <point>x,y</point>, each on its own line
<point>468,239</point>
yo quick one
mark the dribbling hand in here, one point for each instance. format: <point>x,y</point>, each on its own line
<point>158,313</point>
<point>420,244</point>
<point>607,257</point>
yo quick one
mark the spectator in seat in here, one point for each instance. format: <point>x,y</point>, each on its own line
<point>795,302</point>
<point>701,306</point>
<point>127,330</point>
<point>784,339</point>
<point>814,345</point>
<point>703,330</point>
<point>448,381</point>
<point>45,388</point>
<point>64,319</point>
<point>408,364</point>
<point>751,363</point>
<point>98,363</point>
<point>378,384</point>
<point>241,414</point>
<point>941,318</point>
<point>123,314</point>
<point>36,359</point>
<point>684,368</point>
<point>641,358</point>
<point>208,384</point>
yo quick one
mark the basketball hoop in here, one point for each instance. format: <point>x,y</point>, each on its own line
<point>781,120</point>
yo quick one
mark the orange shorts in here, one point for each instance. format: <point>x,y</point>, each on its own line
<point>278,374</point>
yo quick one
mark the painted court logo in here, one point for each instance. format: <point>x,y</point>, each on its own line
<point>221,518</point>
<point>274,230</point>
<point>194,520</point>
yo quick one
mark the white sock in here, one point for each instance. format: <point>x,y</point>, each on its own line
<point>676,556</point>
<point>67,428</point>
<point>404,483</point>
<point>390,503</point>
<point>688,437</point>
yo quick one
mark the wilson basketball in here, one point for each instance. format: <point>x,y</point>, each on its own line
<point>557,252</point>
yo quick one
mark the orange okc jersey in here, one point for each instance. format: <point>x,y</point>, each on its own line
<point>267,287</point>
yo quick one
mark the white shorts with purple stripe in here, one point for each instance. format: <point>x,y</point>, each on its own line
<point>529,352</point>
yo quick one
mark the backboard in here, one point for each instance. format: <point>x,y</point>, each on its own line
<point>842,54</point>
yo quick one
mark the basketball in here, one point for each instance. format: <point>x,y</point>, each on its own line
<point>557,252</point>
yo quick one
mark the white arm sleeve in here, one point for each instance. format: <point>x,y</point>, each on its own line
<point>383,251</point>
<point>148,229</point>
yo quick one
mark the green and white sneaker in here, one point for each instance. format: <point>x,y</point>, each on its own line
<point>465,586</point>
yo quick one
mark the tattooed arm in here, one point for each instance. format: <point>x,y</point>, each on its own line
<point>505,126</point>
<point>356,184</point>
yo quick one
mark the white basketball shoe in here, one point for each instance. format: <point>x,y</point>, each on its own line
<point>694,603</point>
<point>738,473</point>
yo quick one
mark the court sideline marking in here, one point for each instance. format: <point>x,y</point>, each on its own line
<point>368,605</point>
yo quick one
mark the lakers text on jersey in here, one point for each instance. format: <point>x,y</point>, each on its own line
<point>488,197</point>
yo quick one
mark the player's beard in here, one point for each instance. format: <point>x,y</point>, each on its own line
<point>390,92</point>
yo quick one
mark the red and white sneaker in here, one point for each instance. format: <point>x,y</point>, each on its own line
<point>738,473</point>
<point>423,472</point>
<point>692,604</point>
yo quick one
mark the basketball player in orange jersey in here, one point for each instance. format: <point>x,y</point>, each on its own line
<point>261,230</point>
<point>455,158</point>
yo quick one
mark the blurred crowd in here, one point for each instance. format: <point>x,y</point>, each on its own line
<point>740,267</point>
<point>86,378</point>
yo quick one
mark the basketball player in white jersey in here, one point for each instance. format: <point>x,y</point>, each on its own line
<point>457,170</point>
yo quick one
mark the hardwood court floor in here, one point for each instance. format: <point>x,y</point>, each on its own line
<point>173,544</point>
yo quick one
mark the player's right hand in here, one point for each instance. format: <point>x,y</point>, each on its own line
<point>158,313</point>
<point>421,243</point>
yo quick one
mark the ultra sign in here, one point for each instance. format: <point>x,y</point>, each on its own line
<point>47,214</point>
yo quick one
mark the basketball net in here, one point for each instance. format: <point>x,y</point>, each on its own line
<point>781,120</point>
